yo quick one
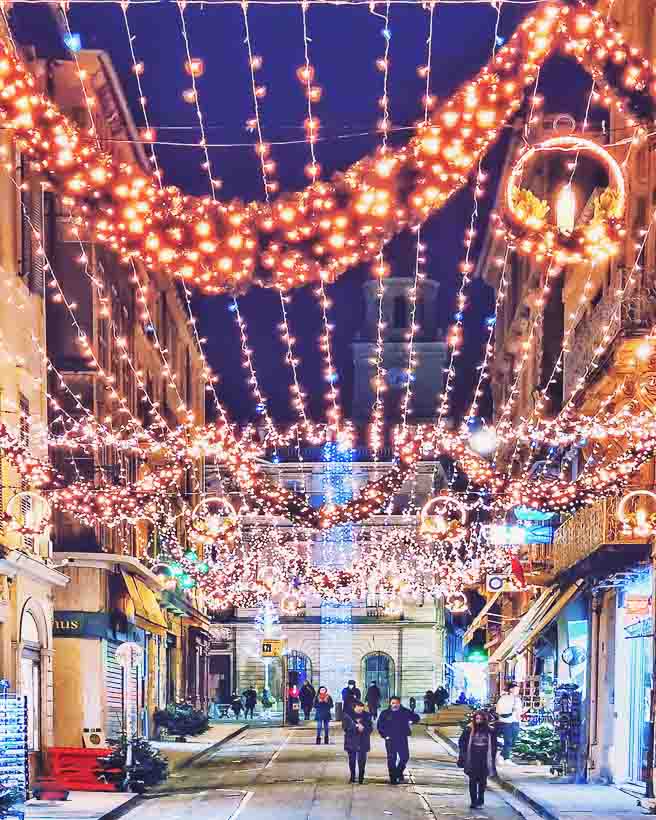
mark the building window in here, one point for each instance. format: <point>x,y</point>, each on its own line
<point>400,312</point>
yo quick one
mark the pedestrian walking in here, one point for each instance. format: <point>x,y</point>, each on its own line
<point>394,726</point>
<point>373,697</point>
<point>323,708</point>
<point>250,701</point>
<point>429,703</point>
<point>478,749</point>
<point>509,710</point>
<point>440,697</point>
<point>357,739</point>
<point>236,704</point>
<point>307,696</point>
<point>350,693</point>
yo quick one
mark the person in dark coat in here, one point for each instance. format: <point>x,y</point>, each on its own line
<point>478,750</point>
<point>357,733</point>
<point>429,703</point>
<point>394,725</point>
<point>441,696</point>
<point>350,693</point>
<point>307,696</point>
<point>373,697</point>
<point>323,708</point>
<point>250,701</point>
<point>236,705</point>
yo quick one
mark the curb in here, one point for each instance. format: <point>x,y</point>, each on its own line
<point>130,804</point>
<point>507,786</point>
<point>198,755</point>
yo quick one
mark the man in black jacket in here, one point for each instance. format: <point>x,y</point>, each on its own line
<point>394,726</point>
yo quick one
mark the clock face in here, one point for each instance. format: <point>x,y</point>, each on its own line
<point>396,377</point>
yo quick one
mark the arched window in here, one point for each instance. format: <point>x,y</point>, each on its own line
<point>400,312</point>
<point>301,664</point>
<point>378,668</point>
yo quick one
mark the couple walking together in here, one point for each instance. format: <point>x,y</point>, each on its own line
<point>358,724</point>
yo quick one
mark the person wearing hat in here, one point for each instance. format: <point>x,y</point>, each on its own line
<point>350,694</point>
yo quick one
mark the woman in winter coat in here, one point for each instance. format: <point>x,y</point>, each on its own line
<point>358,727</point>
<point>478,750</point>
<point>323,707</point>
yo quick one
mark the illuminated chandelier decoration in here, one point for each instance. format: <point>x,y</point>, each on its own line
<point>563,240</point>
<point>319,233</point>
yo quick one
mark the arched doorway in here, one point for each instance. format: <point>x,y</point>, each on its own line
<point>378,668</point>
<point>30,673</point>
<point>301,664</point>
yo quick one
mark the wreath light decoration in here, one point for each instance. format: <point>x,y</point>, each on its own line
<point>526,216</point>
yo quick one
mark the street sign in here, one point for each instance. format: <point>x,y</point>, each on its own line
<point>272,649</point>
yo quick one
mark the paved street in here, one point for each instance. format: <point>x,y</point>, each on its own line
<point>282,774</point>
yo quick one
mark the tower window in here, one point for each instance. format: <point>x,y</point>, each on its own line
<point>400,312</point>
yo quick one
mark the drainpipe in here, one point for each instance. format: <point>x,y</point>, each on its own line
<point>596,605</point>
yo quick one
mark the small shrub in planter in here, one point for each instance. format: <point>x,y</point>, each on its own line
<point>181,720</point>
<point>148,768</point>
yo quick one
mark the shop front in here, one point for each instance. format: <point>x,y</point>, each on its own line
<point>634,662</point>
<point>110,602</point>
<point>547,655</point>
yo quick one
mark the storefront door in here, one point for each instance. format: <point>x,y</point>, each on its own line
<point>641,654</point>
<point>379,669</point>
<point>638,657</point>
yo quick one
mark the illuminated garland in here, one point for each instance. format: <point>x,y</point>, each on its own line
<point>319,233</point>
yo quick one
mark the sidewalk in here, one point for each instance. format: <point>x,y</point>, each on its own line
<point>81,806</point>
<point>553,799</point>
<point>182,754</point>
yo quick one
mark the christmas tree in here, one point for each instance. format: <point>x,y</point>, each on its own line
<point>537,743</point>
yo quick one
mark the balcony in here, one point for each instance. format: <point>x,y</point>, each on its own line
<point>588,530</point>
<point>635,317</point>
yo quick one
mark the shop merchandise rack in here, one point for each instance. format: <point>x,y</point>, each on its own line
<point>567,723</point>
<point>13,744</point>
<point>529,692</point>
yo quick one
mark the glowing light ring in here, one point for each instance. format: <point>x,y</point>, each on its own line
<point>207,532</point>
<point>646,528</point>
<point>443,527</point>
<point>41,524</point>
<point>456,602</point>
<point>544,239</point>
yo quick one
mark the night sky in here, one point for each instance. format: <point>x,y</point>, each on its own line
<point>345,43</point>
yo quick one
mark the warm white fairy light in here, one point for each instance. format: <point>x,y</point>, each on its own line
<point>305,75</point>
<point>267,167</point>
<point>191,62</point>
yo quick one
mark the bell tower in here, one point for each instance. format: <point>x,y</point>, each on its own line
<point>430,351</point>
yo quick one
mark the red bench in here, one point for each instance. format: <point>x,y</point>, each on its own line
<point>76,770</point>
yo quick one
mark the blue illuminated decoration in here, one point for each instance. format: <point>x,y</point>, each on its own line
<point>73,41</point>
<point>530,514</point>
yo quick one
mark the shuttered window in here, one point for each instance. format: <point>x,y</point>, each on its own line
<point>114,688</point>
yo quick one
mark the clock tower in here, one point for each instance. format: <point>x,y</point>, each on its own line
<point>430,350</point>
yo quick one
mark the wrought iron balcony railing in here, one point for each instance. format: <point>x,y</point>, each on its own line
<point>636,313</point>
<point>586,531</point>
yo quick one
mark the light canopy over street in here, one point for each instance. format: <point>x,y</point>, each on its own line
<point>327,408</point>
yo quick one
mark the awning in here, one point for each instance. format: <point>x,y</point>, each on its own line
<point>153,610</point>
<point>478,620</point>
<point>548,617</point>
<point>517,633</point>
<point>149,615</point>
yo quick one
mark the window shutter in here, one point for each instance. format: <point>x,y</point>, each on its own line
<point>36,280</point>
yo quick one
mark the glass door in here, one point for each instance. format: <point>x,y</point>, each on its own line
<point>640,677</point>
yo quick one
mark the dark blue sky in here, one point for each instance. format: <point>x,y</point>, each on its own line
<point>345,44</point>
